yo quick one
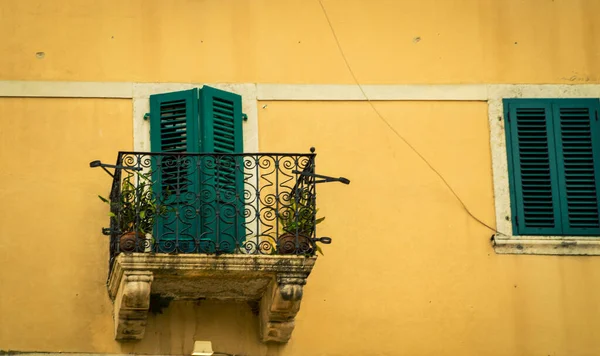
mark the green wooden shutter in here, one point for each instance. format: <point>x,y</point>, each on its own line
<point>577,142</point>
<point>222,177</point>
<point>533,175</point>
<point>174,129</point>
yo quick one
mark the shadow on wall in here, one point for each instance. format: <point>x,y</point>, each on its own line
<point>174,326</point>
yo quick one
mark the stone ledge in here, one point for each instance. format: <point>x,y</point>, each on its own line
<point>547,245</point>
<point>276,282</point>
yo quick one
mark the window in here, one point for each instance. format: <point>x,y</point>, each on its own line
<point>553,148</point>
<point>206,191</point>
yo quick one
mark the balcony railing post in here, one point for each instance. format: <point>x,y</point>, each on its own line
<point>258,206</point>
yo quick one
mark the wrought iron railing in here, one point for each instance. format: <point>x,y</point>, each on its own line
<point>212,203</point>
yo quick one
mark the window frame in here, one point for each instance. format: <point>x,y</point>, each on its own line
<point>504,240</point>
<point>551,110</point>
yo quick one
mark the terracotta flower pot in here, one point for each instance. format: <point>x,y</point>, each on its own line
<point>132,242</point>
<point>287,245</point>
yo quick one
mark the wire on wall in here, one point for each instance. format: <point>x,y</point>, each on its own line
<point>386,122</point>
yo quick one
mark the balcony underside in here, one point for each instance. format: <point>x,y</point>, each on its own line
<point>274,282</point>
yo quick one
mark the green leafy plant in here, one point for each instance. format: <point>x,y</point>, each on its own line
<point>136,207</point>
<point>298,217</point>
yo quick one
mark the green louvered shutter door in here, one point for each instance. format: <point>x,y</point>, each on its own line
<point>174,129</point>
<point>577,148</point>
<point>222,178</point>
<point>532,167</point>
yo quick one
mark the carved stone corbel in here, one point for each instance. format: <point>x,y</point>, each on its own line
<point>279,306</point>
<point>275,281</point>
<point>131,305</point>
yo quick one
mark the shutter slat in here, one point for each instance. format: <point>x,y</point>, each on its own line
<point>180,120</point>
<point>223,119</point>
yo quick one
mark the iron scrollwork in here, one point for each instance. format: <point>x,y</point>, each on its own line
<point>213,203</point>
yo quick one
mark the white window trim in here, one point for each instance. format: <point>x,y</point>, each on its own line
<point>505,241</point>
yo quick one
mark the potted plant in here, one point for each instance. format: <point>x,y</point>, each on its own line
<point>135,211</point>
<point>298,223</point>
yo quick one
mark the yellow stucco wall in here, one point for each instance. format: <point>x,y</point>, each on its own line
<point>289,41</point>
<point>54,258</point>
<point>409,273</point>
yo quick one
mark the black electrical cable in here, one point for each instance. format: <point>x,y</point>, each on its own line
<point>464,206</point>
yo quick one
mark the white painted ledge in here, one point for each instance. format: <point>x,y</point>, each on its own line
<point>547,245</point>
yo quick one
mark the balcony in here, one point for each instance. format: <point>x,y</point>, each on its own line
<point>238,227</point>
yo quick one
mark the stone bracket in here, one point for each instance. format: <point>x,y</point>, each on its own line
<point>131,305</point>
<point>279,306</point>
<point>276,281</point>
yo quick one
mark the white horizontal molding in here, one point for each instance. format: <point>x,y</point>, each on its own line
<point>144,90</point>
<point>16,88</point>
<point>304,92</point>
<point>350,92</point>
